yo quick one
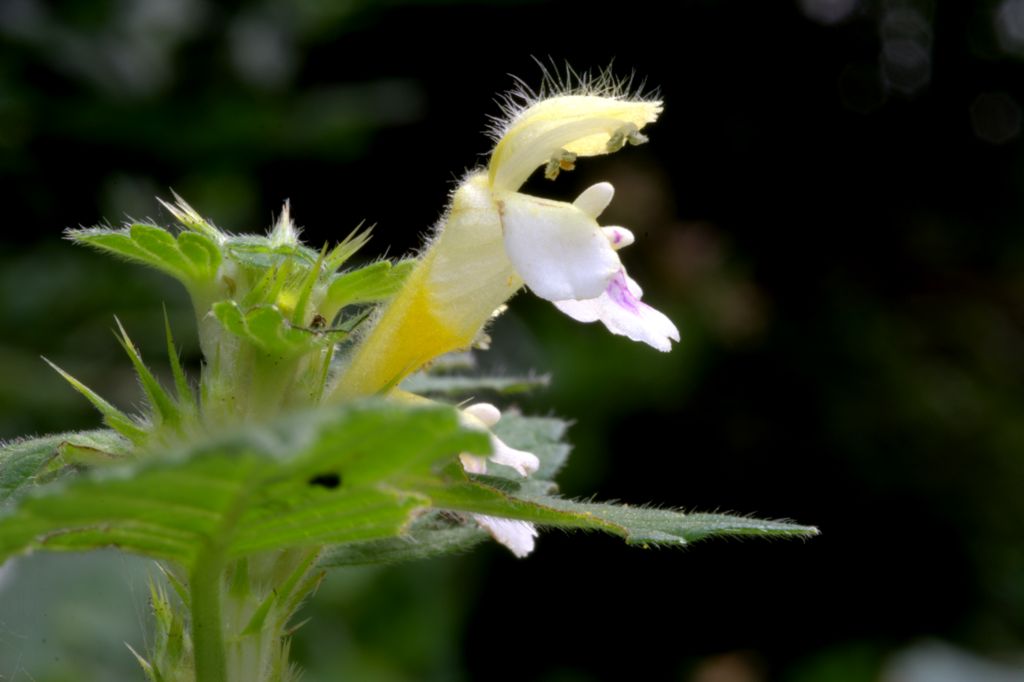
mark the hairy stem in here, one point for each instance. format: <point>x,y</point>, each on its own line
<point>207,634</point>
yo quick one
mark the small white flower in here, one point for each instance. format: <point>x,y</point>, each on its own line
<point>484,416</point>
<point>517,535</point>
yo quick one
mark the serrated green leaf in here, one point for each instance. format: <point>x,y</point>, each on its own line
<point>161,246</point>
<point>115,241</point>
<point>22,460</point>
<point>370,284</point>
<point>543,436</point>
<point>434,535</point>
<point>330,476</point>
<point>648,525</point>
<point>425,383</point>
<point>636,525</point>
<point>192,257</point>
<point>203,254</point>
<point>259,252</point>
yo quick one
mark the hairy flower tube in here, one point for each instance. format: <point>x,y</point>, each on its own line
<point>493,240</point>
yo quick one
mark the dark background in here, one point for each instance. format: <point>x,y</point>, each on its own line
<point>830,208</point>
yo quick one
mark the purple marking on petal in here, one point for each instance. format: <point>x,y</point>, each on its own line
<point>617,238</point>
<point>618,291</point>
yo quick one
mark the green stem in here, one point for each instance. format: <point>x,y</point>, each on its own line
<point>207,635</point>
<point>205,583</point>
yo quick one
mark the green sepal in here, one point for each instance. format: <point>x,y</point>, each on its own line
<point>347,248</point>
<point>190,218</point>
<point>306,289</point>
<point>375,282</point>
<point>133,429</point>
<point>286,596</point>
<point>186,398</point>
<point>165,407</point>
<point>267,328</point>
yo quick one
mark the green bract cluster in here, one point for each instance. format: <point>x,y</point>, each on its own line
<point>270,312</point>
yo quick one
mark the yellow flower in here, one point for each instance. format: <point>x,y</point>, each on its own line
<point>494,239</point>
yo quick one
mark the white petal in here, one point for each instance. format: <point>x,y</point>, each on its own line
<point>482,416</point>
<point>473,464</point>
<point>620,310</point>
<point>595,199</point>
<point>583,311</point>
<point>516,535</point>
<point>619,237</point>
<point>632,286</point>
<point>558,250</point>
<point>524,462</point>
<point>488,414</point>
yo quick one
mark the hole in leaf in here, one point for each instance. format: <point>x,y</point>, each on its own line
<point>330,480</point>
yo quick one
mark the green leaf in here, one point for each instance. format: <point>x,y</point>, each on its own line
<point>259,252</point>
<point>643,526</point>
<point>329,476</point>
<point>21,461</point>
<point>370,284</point>
<point>204,255</point>
<point>161,246</point>
<point>543,436</point>
<point>433,535</point>
<point>192,257</point>
<point>460,385</point>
